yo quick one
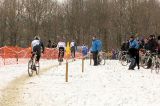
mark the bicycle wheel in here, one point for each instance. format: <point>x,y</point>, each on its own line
<point>30,67</point>
<point>157,67</point>
<point>102,61</point>
<point>144,63</point>
<point>37,68</point>
<point>153,67</point>
<point>124,60</point>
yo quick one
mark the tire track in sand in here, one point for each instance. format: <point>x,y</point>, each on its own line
<point>11,94</point>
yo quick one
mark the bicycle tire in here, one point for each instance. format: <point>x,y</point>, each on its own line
<point>152,67</point>
<point>157,67</point>
<point>144,63</point>
<point>102,59</point>
<point>30,65</point>
<point>37,68</point>
<point>123,60</point>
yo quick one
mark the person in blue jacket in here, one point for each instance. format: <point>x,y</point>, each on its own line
<point>95,49</point>
<point>84,50</point>
<point>134,53</point>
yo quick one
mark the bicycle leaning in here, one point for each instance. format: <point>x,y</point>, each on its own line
<point>102,58</point>
<point>155,63</point>
<point>33,65</point>
<point>124,58</point>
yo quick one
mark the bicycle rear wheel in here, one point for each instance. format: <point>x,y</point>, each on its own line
<point>30,67</point>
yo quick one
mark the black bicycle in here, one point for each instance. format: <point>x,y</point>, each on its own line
<point>33,65</point>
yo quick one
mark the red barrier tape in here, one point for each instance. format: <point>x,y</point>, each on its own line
<point>15,55</point>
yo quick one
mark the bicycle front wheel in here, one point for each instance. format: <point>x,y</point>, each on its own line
<point>157,67</point>
<point>30,67</point>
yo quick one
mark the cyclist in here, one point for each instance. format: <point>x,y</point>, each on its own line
<point>37,47</point>
<point>61,47</point>
<point>73,48</point>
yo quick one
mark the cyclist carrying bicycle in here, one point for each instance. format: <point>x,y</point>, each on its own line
<point>61,47</point>
<point>37,47</point>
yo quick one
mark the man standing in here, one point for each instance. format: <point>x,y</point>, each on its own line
<point>94,50</point>
<point>134,54</point>
<point>152,46</point>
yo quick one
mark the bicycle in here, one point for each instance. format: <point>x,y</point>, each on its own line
<point>73,53</point>
<point>33,66</point>
<point>125,58</point>
<point>145,59</point>
<point>60,59</point>
<point>155,63</point>
<point>102,58</point>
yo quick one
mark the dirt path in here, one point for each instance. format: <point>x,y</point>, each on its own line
<point>11,94</point>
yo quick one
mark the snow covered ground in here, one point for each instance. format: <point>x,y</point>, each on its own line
<point>109,85</point>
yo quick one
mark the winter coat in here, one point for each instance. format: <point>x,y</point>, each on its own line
<point>84,50</point>
<point>152,45</point>
<point>133,44</point>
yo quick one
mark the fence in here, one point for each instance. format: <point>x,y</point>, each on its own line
<point>17,55</point>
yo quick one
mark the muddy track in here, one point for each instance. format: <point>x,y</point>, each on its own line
<point>11,94</point>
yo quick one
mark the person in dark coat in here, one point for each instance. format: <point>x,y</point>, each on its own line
<point>49,45</point>
<point>151,46</point>
<point>134,54</point>
<point>123,46</point>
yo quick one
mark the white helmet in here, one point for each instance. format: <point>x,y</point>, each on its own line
<point>37,38</point>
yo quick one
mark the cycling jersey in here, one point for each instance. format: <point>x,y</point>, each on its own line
<point>72,44</point>
<point>61,44</point>
<point>35,43</point>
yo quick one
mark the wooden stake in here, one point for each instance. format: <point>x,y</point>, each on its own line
<point>4,55</point>
<point>82,65</point>
<point>90,59</point>
<point>66,71</point>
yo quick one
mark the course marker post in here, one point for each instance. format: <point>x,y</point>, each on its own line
<point>90,59</point>
<point>66,71</point>
<point>4,55</point>
<point>82,64</point>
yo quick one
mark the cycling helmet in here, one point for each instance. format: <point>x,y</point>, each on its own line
<point>37,38</point>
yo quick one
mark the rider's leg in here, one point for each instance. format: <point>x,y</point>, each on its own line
<point>62,52</point>
<point>137,58</point>
<point>59,53</point>
<point>38,53</point>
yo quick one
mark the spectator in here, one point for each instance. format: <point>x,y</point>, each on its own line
<point>49,45</point>
<point>54,45</point>
<point>84,50</point>
<point>134,54</point>
<point>95,49</point>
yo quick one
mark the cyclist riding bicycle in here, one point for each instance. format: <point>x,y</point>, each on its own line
<point>61,47</point>
<point>37,47</point>
<point>73,48</point>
